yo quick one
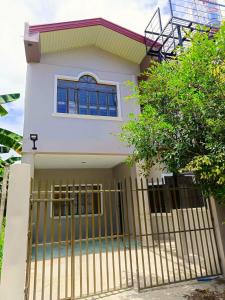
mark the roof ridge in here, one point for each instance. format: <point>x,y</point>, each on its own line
<point>88,23</point>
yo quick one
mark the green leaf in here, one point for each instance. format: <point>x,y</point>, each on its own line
<point>11,140</point>
<point>9,98</point>
<point>6,99</point>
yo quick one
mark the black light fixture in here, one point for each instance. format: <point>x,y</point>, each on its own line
<point>34,138</point>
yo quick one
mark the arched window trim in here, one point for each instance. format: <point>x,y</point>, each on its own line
<point>99,81</point>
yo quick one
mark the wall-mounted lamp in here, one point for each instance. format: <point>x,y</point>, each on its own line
<point>34,138</point>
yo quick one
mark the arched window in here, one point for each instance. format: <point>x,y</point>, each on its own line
<point>86,97</point>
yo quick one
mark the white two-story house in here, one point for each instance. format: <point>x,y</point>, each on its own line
<point>75,99</point>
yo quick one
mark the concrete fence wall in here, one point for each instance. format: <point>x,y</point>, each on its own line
<point>15,246</point>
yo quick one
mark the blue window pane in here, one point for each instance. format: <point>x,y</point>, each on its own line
<point>102,99</point>
<point>93,99</point>
<point>65,83</point>
<point>112,113</point>
<point>86,96</point>
<point>112,100</point>
<point>107,88</point>
<point>83,111</point>
<point>83,97</point>
<point>93,111</point>
<point>61,100</point>
<point>103,112</point>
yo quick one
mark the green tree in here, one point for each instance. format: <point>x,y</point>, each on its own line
<point>8,139</point>
<point>182,123</point>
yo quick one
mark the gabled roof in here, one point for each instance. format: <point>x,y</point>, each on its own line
<point>47,38</point>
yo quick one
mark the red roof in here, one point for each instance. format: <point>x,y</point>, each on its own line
<point>87,23</point>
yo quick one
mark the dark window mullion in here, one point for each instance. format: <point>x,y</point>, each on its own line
<point>77,101</point>
<point>67,100</point>
<point>107,104</point>
<point>88,102</point>
<point>98,105</point>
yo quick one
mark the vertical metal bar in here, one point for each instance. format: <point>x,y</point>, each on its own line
<point>179,36</point>
<point>121,205</point>
<point>117,234</point>
<point>191,240</point>
<point>171,8</point>
<point>128,230</point>
<point>59,239</point>
<point>146,230</point>
<point>68,196</point>
<point>169,234</point>
<point>186,241</point>
<point>152,235</point>
<point>106,239</point>
<point>160,20</point>
<point>111,235</point>
<point>72,221</point>
<point>93,238</point>
<point>201,241</point>
<point>87,233</point>
<point>140,232</point>
<point>163,229</point>
<point>100,240</point>
<point>206,240</point>
<point>36,240</point>
<point>44,241</point>
<point>52,239</point>
<point>157,229</point>
<point>80,239</point>
<point>134,233</point>
<point>175,189</point>
<point>175,240</point>
<point>196,240</point>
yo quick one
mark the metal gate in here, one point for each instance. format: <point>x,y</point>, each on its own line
<point>90,239</point>
<point>175,236</point>
<point>79,241</point>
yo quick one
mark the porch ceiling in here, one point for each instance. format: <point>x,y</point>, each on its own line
<point>75,161</point>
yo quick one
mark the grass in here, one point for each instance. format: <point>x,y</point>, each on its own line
<point>2,234</point>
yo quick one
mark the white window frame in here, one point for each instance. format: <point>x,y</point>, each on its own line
<point>76,216</point>
<point>91,117</point>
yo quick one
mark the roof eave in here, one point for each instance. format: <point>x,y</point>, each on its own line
<point>32,45</point>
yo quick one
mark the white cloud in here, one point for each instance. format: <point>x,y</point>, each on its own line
<point>133,14</point>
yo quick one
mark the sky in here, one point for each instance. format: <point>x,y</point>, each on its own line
<point>132,14</point>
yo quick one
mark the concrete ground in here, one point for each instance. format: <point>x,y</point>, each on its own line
<point>53,277</point>
<point>170,292</point>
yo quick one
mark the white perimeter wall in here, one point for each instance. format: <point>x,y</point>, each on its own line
<point>63,134</point>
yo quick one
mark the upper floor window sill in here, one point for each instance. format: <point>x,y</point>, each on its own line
<point>90,117</point>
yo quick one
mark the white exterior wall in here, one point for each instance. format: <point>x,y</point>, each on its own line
<point>75,135</point>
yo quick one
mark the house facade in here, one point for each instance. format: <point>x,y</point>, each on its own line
<point>75,101</point>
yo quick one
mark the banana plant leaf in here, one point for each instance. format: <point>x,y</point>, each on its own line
<point>4,149</point>
<point>11,140</point>
<point>9,161</point>
<point>6,99</point>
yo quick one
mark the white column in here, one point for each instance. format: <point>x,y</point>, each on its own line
<point>15,246</point>
<point>218,212</point>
